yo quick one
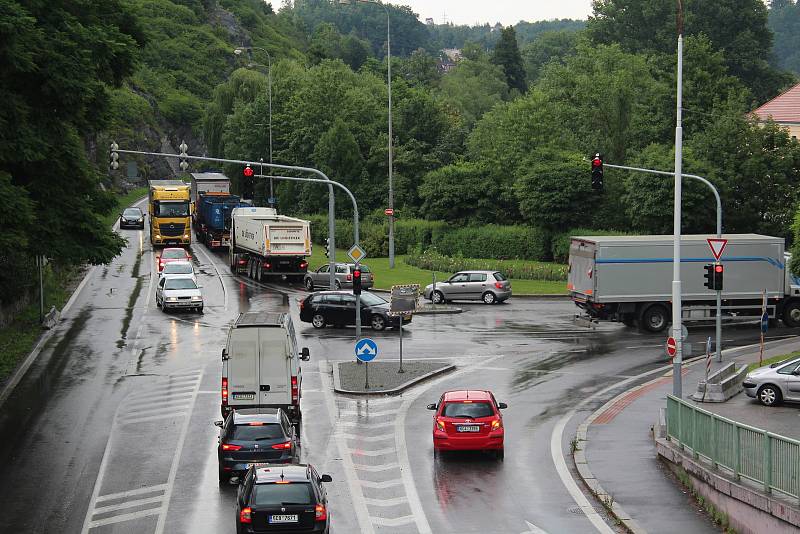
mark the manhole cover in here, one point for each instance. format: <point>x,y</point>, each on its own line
<point>577,510</point>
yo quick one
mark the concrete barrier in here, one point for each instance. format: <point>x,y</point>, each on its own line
<point>721,385</point>
<point>51,318</point>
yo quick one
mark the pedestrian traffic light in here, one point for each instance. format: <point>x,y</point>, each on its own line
<point>719,270</point>
<point>709,276</point>
<point>327,247</point>
<point>113,159</point>
<point>597,172</point>
<point>357,281</point>
<point>184,163</point>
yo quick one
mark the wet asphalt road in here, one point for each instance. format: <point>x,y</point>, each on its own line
<point>111,428</point>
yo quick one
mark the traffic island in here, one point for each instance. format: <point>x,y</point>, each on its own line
<point>384,378</point>
<point>433,309</point>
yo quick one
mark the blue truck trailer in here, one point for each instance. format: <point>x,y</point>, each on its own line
<point>213,218</point>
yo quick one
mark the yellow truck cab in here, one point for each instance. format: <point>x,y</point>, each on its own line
<point>170,211</point>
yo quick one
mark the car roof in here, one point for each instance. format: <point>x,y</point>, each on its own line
<point>256,415</point>
<point>181,276</point>
<point>467,394</point>
<point>477,272</point>
<point>338,292</point>
<point>174,248</point>
<point>133,208</point>
<point>181,262</point>
<point>266,473</point>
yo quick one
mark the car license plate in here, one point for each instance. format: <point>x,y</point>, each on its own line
<point>286,518</point>
<point>468,428</point>
<point>244,396</point>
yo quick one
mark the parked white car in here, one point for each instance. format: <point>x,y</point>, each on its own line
<point>178,269</point>
<point>179,292</point>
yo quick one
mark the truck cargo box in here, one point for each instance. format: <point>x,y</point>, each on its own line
<point>262,231</point>
<point>209,182</point>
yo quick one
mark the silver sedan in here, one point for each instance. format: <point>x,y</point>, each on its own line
<point>775,383</point>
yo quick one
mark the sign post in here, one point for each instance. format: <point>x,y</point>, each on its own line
<point>366,351</point>
<point>403,302</point>
<point>717,247</point>
<point>764,325</point>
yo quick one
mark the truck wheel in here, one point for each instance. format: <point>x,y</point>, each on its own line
<point>309,284</point>
<point>791,314</point>
<point>318,321</point>
<point>655,318</point>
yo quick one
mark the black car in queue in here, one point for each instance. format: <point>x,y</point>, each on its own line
<point>339,308</point>
<point>255,435</point>
<point>282,499</point>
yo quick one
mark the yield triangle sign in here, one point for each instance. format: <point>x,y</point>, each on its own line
<point>717,246</point>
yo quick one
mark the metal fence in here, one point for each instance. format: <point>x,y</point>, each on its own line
<point>765,458</point>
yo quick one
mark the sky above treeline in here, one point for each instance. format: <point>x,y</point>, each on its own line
<point>506,12</point>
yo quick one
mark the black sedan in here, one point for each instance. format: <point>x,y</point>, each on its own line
<point>131,218</point>
<point>282,499</point>
<point>339,308</point>
<point>254,435</point>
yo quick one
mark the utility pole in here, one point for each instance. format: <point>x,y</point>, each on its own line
<point>677,363</point>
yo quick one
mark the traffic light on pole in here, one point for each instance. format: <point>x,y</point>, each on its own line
<point>113,158</point>
<point>597,172</point>
<point>709,276</point>
<point>327,247</point>
<point>719,271</point>
<point>357,281</point>
<point>184,163</point>
<point>248,187</point>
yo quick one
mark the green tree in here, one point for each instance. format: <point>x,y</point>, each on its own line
<point>506,55</point>
<point>338,155</point>
<point>547,47</point>
<point>460,193</point>
<point>472,88</point>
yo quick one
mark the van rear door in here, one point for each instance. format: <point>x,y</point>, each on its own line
<point>581,278</point>
<point>243,367</point>
<point>274,372</point>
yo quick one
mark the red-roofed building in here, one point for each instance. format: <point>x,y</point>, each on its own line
<point>783,109</point>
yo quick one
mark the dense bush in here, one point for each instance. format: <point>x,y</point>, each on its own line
<point>496,241</point>
<point>433,260</point>
<point>560,244</point>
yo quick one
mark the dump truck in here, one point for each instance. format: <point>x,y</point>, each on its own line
<point>267,245</point>
<point>169,205</point>
<point>629,279</point>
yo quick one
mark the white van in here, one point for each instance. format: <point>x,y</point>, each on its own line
<point>261,364</point>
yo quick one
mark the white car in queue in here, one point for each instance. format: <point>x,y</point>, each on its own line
<point>179,292</point>
<point>178,269</point>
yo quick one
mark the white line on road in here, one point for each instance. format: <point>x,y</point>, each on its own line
<point>366,413</point>
<point>371,439</point>
<point>125,517</point>
<point>378,452</point>
<point>362,514</point>
<point>151,418</point>
<point>386,502</point>
<point>392,522</point>
<point>533,529</point>
<point>219,276</point>
<point>130,493</point>
<point>127,504</point>
<point>376,468</point>
<point>381,485</point>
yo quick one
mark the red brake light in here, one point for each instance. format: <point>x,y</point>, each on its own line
<point>348,278</point>
<point>286,445</point>
<point>320,513</point>
<point>267,265</point>
<point>497,424</point>
<point>245,516</point>
<point>498,285</point>
<point>255,424</point>
<point>229,447</point>
<point>224,391</point>
<point>295,391</point>
<point>242,262</point>
<point>440,424</point>
<point>303,264</point>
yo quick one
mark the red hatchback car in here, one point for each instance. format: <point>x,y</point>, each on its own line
<point>173,254</point>
<point>468,420</point>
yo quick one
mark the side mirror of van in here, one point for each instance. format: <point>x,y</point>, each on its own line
<point>431,406</point>
<point>224,354</point>
<point>305,355</point>
<point>325,478</point>
<point>218,423</point>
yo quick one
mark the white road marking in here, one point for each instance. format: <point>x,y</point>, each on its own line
<point>219,276</point>
<point>381,485</point>
<point>376,468</point>
<point>125,517</point>
<point>367,413</point>
<point>359,424</point>
<point>130,493</point>
<point>362,514</point>
<point>386,502</point>
<point>392,522</point>
<point>127,504</point>
<point>377,452</point>
<point>533,529</point>
<point>370,439</point>
<point>151,418</point>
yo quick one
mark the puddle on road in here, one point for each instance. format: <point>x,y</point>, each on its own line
<point>137,289</point>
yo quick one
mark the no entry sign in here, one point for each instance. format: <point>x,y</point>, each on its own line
<point>672,347</point>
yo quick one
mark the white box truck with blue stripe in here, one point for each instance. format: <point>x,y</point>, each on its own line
<point>629,279</point>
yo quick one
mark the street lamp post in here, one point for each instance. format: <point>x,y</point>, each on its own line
<point>389,83</point>
<point>677,364</point>
<point>248,49</point>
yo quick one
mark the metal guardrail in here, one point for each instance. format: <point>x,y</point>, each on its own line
<point>763,457</point>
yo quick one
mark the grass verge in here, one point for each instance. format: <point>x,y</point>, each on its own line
<point>774,359</point>
<point>18,338</point>
<point>403,273</point>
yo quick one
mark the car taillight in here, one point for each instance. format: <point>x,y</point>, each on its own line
<point>283,446</point>
<point>372,277</point>
<point>229,447</point>
<point>224,391</point>
<point>242,262</point>
<point>303,264</point>
<point>440,424</point>
<point>295,391</point>
<point>349,277</point>
<point>245,516</point>
<point>267,265</point>
<point>497,424</point>
<point>498,285</point>
<point>320,513</point>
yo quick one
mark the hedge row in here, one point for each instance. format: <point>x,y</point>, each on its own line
<point>433,260</point>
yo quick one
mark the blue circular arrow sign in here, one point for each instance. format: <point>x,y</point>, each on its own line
<point>366,349</point>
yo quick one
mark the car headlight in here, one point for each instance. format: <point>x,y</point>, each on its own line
<point>158,236</point>
<point>172,299</point>
<point>197,298</point>
<point>186,236</point>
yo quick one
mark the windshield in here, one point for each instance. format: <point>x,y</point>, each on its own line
<point>180,283</point>
<point>173,254</point>
<point>178,208</point>
<point>468,410</point>
<point>178,268</point>
<point>257,432</point>
<point>132,212</point>
<point>371,299</point>
<point>278,494</point>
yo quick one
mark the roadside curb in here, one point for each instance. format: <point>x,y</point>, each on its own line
<point>582,439</point>
<point>337,388</point>
<point>435,311</point>
<point>543,296</point>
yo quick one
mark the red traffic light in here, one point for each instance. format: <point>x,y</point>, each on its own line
<point>356,274</point>
<point>596,162</point>
<point>248,172</point>
<point>718,268</point>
